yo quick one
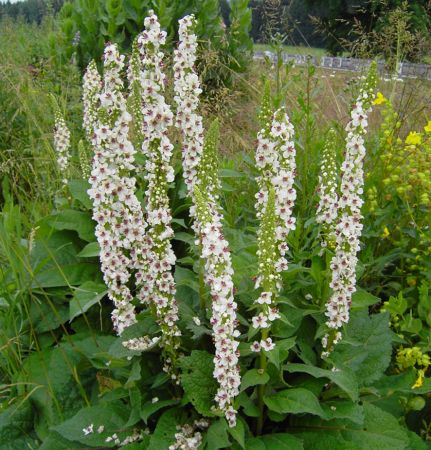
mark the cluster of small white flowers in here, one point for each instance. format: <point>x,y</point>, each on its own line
<point>327,209</point>
<point>62,144</point>
<point>270,279</point>
<point>118,213</point>
<point>218,276</point>
<point>158,286</point>
<point>187,91</point>
<point>92,84</point>
<point>141,344</point>
<point>90,429</point>
<point>187,437</point>
<point>275,160</point>
<point>349,227</point>
<point>136,436</point>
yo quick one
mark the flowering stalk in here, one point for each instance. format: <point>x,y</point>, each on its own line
<point>187,90</point>
<point>118,213</point>
<point>218,276</point>
<point>207,177</point>
<point>91,89</point>
<point>275,160</point>
<point>349,227</point>
<point>61,142</point>
<point>157,288</point>
<point>208,182</point>
<point>327,189</point>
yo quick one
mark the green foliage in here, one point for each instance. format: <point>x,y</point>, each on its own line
<point>120,21</point>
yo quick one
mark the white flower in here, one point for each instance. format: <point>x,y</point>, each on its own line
<point>187,438</point>
<point>88,430</point>
<point>255,346</point>
<point>267,344</point>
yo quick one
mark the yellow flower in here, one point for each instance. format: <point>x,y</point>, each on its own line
<point>413,138</point>
<point>385,233</point>
<point>427,127</point>
<point>420,380</point>
<point>379,99</point>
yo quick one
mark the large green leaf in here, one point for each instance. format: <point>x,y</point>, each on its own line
<point>111,416</point>
<point>164,434</point>
<point>276,441</point>
<point>78,189</point>
<point>49,375</point>
<point>91,250</point>
<point>294,401</point>
<point>217,435</point>
<point>86,295</point>
<point>253,377</point>
<point>79,221</point>
<point>149,408</point>
<point>366,347</point>
<point>380,431</point>
<point>345,378</point>
<point>66,275</point>
<point>198,380</point>
<point>16,427</point>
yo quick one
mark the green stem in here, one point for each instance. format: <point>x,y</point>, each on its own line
<point>263,362</point>
<point>202,284</point>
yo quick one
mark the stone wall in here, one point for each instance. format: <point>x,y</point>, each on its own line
<point>406,69</point>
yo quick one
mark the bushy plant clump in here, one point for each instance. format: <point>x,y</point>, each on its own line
<point>167,310</point>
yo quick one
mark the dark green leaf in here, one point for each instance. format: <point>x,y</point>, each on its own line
<point>90,250</point>
<point>277,441</point>
<point>70,219</point>
<point>294,401</point>
<point>217,436</point>
<point>112,416</point>
<point>366,347</point>
<point>253,377</point>
<point>78,189</point>
<point>198,380</point>
<point>87,295</point>
<point>344,378</point>
<point>149,408</point>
